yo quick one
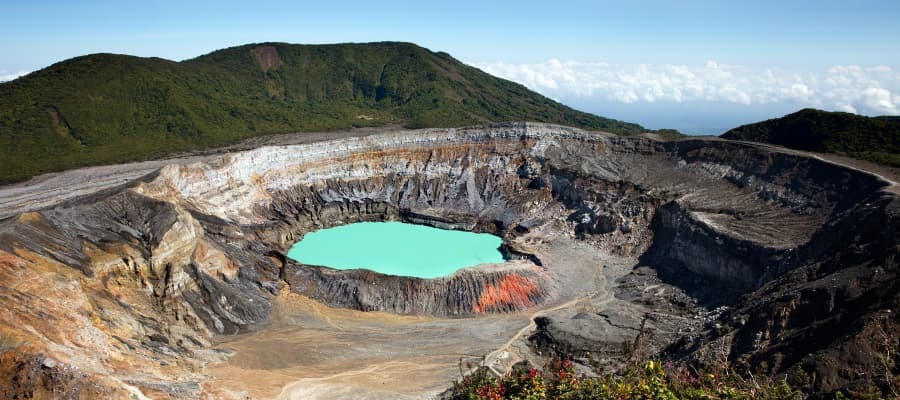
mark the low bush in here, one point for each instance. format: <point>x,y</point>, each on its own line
<point>654,380</point>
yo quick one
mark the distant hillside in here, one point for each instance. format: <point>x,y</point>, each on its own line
<point>875,139</point>
<point>106,108</point>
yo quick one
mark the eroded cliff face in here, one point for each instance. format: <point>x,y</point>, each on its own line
<point>121,292</point>
<point>833,315</point>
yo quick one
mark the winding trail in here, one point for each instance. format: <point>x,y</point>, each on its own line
<point>892,187</point>
<point>51,189</point>
<point>493,358</point>
<point>497,358</point>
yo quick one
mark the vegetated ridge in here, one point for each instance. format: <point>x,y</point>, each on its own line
<point>875,139</point>
<point>107,108</point>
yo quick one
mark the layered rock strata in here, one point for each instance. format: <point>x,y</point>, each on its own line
<point>123,291</point>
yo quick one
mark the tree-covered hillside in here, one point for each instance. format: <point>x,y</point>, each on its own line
<point>106,108</point>
<point>875,139</point>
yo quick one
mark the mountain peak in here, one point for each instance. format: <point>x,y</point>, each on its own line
<point>118,108</point>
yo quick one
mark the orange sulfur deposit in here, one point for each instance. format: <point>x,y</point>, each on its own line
<point>514,291</point>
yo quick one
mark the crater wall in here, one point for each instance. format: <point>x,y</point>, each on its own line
<point>197,251</point>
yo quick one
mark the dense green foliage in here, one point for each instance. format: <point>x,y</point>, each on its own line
<point>106,108</point>
<point>875,139</point>
<point>653,380</point>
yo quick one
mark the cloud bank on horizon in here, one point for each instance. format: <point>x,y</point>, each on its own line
<point>8,76</point>
<point>867,90</point>
<point>700,99</point>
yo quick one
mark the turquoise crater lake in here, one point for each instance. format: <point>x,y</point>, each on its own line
<point>397,248</point>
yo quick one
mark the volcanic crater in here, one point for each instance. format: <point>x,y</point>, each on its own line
<point>177,284</point>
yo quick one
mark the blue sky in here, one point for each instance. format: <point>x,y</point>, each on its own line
<point>659,63</point>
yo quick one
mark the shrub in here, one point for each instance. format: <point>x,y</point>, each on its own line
<point>655,380</point>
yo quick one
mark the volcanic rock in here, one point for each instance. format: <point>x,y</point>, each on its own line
<point>124,291</point>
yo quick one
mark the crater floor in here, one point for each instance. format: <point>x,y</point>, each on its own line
<point>312,351</point>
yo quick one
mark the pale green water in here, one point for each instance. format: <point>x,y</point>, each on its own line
<point>396,248</point>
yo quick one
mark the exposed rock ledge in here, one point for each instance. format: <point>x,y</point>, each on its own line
<point>149,274</point>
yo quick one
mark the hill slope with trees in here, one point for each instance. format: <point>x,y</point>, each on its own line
<point>874,139</point>
<point>106,108</point>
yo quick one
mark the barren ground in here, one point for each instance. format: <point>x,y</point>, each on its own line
<point>312,351</point>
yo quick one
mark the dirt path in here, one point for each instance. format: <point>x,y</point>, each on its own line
<point>502,357</point>
<point>47,190</point>
<point>312,351</point>
<point>886,174</point>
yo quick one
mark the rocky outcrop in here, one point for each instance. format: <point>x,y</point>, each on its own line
<point>151,273</point>
<point>834,316</point>
<point>503,288</point>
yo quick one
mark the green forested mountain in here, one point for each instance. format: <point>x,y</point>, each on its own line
<point>106,108</point>
<point>875,139</point>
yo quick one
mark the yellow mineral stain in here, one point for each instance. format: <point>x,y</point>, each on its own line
<point>29,217</point>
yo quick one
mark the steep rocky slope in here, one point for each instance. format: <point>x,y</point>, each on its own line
<point>125,291</point>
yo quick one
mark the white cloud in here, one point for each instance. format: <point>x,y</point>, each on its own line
<point>871,90</point>
<point>8,76</point>
<point>878,100</point>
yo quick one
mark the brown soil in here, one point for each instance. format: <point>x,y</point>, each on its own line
<point>267,57</point>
